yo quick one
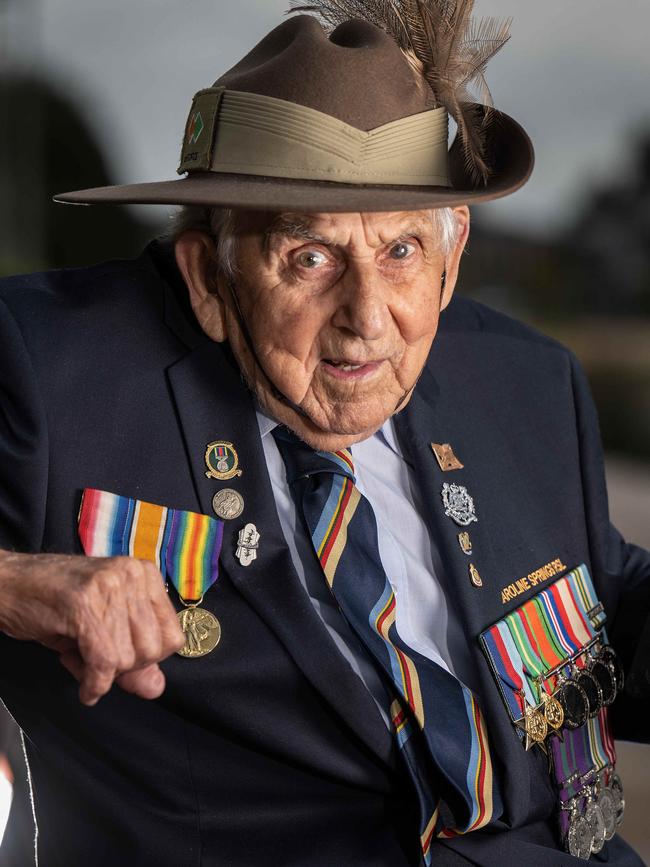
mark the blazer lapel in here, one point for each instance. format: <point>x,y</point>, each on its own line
<point>516,530</point>
<point>436,415</point>
<point>213,404</point>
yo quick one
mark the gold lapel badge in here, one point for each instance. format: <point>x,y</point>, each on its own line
<point>474,575</point>
<point>465,542</point>
<point>222,461</point>
<point>447,460</point>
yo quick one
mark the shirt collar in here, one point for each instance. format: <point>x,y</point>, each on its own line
<point>386,432</point>
<point>265,423</point>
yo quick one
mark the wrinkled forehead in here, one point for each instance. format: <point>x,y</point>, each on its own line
<point>332,227</point>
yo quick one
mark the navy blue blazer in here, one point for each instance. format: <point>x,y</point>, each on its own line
<point>270,750</point>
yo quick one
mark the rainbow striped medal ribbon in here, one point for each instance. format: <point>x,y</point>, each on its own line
<point>185,546</point>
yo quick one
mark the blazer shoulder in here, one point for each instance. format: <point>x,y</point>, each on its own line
<point>46,296</point>
<point>468,316</point>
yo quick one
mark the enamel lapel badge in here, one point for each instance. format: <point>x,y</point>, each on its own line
<point>222,461</point>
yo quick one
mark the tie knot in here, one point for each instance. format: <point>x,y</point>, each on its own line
<point>302,461</point>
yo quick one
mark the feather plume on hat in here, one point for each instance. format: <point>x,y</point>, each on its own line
<point>445,46</point>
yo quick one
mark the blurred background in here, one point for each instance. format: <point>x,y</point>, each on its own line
<point>98,93</point>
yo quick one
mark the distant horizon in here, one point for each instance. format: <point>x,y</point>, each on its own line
<point>576,83</point>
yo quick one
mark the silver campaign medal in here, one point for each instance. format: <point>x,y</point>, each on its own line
<point>228,504</point>
<point>616,788</point>
<point>607,804</point>
<point>459,505</point>
<point>580,836</point>
<point>593,815</point>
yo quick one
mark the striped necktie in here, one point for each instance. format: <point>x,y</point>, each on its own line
<point>436,720</point>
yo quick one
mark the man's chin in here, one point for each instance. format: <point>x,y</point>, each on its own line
<point>329,425</point>
<point>335,431</point>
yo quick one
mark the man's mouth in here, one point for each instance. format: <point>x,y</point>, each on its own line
<point>344,368</point>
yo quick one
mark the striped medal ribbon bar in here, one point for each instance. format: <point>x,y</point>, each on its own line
<point>536,641</point>
<point>185,546</point>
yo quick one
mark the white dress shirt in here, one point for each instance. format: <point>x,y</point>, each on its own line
<point>408,554</point>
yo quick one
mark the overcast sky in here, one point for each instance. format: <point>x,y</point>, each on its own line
<point>574,74</point>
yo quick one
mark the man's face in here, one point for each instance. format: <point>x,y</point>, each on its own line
<point>342,310</point>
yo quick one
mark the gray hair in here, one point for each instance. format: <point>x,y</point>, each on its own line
<point>221,224</point>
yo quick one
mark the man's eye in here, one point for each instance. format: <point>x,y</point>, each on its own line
<point>311,259</point>
<point>402,251</point>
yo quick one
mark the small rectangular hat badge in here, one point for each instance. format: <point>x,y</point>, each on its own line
<point>198,142</point>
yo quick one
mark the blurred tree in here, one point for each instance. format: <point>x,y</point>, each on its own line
<point>600,266</point>
<point>612,241</point>
<point>590,288</point>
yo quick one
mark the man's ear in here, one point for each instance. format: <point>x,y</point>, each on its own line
<point>196,260</point>
<point>452,262</point>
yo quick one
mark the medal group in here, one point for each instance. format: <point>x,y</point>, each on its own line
<point>185,546</point>
<point>550,657</point>
<point>557,675</point>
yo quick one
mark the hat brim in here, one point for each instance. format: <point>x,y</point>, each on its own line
<point>509,148</point>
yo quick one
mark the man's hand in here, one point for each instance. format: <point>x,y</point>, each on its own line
<point>109,619</point>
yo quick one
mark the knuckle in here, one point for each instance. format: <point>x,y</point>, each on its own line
<point>153,577</point>
<point>175,641</point>
<point>149,568</point>
<point>77,608</point>
<point>106,662</point>
<point>155,650</point>
<point>150,650</point>
<point>107,579</point>
<point>127,660</point>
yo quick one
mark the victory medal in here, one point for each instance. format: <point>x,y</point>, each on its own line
<point>201,629</point>
<point>193,569</point>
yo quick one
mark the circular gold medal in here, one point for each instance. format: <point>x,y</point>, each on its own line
<point>202,632</point>
<point>553,712</point>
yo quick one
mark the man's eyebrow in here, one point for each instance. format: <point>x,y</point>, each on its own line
<point>414,229</point>
<point>300,228</point>
<point>293,227</point>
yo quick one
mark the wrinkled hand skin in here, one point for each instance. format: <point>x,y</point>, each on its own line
<point>109,619</point>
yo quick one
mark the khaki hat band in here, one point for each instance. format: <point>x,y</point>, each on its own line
<point>251,134</point>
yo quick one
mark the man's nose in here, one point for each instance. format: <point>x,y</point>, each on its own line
<point>363,304</point>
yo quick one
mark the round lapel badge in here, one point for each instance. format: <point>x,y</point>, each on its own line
<point>228,504</point>
<point>222,461</point>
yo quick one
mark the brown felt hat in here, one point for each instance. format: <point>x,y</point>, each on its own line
<point>338,121</point>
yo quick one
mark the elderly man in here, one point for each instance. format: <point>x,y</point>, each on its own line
<point>348,536</point>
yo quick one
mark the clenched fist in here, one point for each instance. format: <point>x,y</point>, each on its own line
<point>109,618</point>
